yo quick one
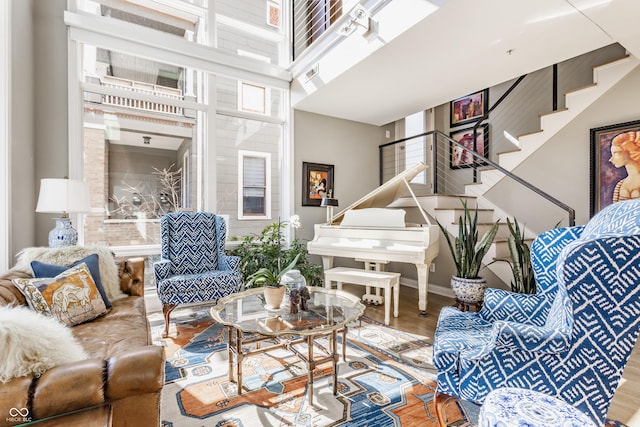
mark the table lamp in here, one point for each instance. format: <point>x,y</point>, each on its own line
<point>329,203</point>
<point>63,196</point>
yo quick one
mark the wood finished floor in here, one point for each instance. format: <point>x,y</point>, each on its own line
<point>625,406</point>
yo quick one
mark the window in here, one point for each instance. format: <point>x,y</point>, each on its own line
<point>253,98</point>
<point>140,145</point>
<point>273,14</point>
<point>185,20</point>
<point>153,112</point>
<point>254,180</point>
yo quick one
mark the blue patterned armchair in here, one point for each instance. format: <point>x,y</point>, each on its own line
<point>571,339</point>
<point>194,266</point>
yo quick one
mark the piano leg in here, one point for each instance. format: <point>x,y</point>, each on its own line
<point>327,262</point>
<point>423,283</point>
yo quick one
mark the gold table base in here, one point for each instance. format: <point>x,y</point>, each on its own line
<point>237,343</point>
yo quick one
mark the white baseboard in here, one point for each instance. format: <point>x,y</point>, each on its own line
<point>434,289</point>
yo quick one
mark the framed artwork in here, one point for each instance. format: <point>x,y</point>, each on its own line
<point>317,181</point>
<point>462,158</point>
<point>614,171</point>
<point>469,108</point>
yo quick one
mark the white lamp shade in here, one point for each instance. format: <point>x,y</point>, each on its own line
<point>63,195</point>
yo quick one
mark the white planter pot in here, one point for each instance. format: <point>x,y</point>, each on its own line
<point>273,297</point>
<point>469,290</point>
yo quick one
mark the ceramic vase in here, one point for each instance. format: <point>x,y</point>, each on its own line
<point>468,290</point>
<point>273,297</point>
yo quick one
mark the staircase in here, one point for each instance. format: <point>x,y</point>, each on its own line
<point>447,208</point>
<point>605,76</point>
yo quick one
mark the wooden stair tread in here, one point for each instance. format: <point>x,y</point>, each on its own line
<point>530,133</point>
<point>514,150</point>
<point>548,113</point>
<point>613,61</point>
<point>578,89</point>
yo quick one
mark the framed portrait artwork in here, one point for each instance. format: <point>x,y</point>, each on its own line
<point>615,161</point>
<point>317,181</point>
<point>461,157</point>
<point>469,108</point>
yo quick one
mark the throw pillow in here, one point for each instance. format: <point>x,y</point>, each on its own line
<point>71,297</point>
<point>68,254</point>
<point>33,343</point>
<point>41,269</point>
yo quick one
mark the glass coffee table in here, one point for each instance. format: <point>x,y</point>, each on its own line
<point>248,322</point>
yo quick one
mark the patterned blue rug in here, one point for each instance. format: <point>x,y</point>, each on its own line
<point>387,380</point>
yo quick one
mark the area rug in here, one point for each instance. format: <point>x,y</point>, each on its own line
<point>387,380</point>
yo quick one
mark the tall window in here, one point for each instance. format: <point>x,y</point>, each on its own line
<point>163,123</point>
<point>415,149</point>
<point>140,145</point>
<point>253,98</point>
<point>254,179</point>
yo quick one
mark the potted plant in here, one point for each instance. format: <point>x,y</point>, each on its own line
<point>270,280</point>
<point>468,251</point>
<point>262,257</point>
<point>520,260</point>
<point>267,250</point>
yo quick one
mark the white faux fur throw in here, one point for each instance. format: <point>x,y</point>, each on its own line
<point>33,343</point>
<point>67,255</point>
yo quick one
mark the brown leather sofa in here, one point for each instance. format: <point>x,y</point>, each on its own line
<point>119,385</point>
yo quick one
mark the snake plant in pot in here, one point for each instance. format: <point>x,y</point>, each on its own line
<point>520,260</point>
<point>467,251</point>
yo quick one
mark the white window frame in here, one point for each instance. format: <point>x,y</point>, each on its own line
<point>186,179</point>
<point>242,154</point>
<point>274,6</point>
<point>248,108</point>
<point>135,40</point>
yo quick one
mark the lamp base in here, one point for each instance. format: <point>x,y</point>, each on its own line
<point>63,234</point>
<point>329,215</point>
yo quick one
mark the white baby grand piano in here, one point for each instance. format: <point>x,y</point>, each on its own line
<point>370,232</point>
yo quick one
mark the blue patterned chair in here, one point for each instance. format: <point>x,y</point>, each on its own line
<point>194,266</point>
<point>571,339</point>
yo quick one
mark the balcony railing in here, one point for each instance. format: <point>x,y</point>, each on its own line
<point>311,19</point>
<point>143,88</point>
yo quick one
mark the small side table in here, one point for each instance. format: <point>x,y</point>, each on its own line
<point>514,407</point>
<point>467,306</point>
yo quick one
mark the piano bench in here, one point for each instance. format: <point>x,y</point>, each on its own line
<point>386,280</point>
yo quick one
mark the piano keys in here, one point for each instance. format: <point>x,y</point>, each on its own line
<point>367,230</point>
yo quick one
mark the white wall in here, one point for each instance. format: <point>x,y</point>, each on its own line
<point>50,80</point>
<point>565,173</point>
<point>352,147</point>
<point>5,132</point>
<point>22,148</point>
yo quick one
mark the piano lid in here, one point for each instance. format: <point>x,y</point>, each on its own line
<point>388,192</point>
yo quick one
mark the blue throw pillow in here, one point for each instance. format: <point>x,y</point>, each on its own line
<point>40,269</point>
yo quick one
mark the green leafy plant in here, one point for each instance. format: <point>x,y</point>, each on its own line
<point>267,277</point>
<point>467,250</point>
<point>523,278</point>
<point>267,251</point>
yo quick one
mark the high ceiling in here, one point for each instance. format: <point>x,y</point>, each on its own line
<point>467,45</point>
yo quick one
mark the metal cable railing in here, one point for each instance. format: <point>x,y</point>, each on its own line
<point>453,160</point>
<point>311,18</point>
<point>465,162</point>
